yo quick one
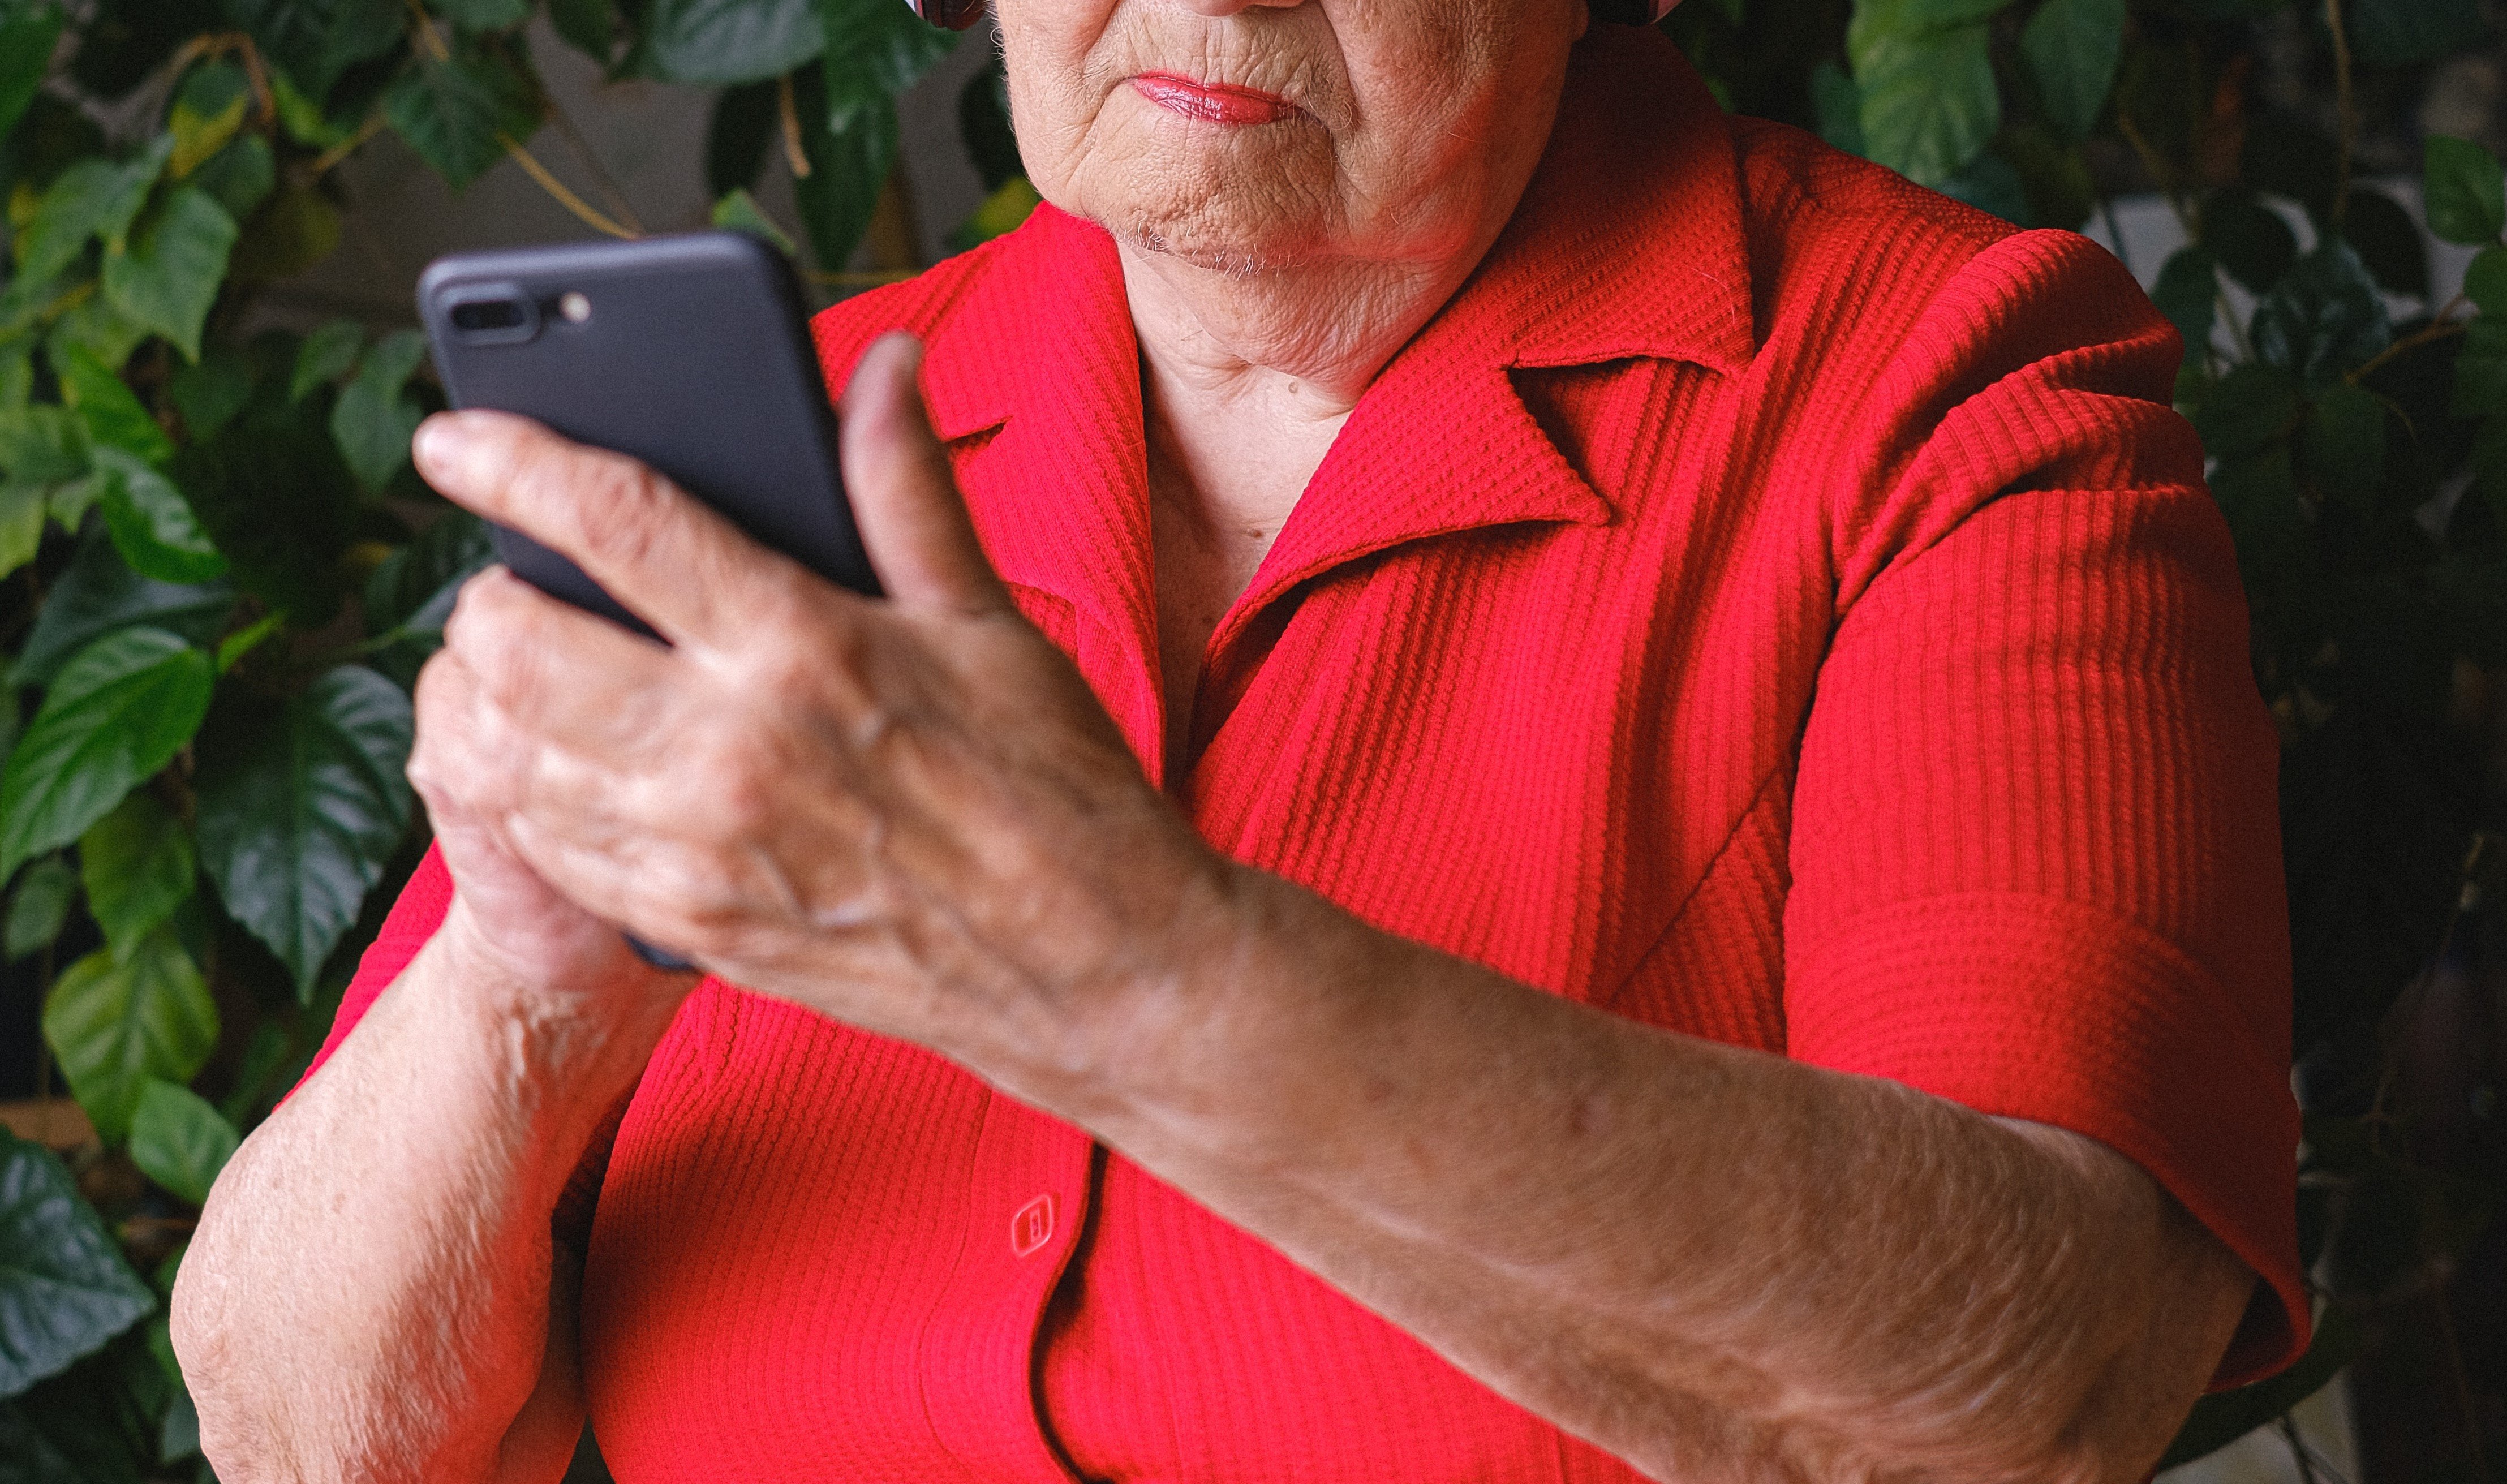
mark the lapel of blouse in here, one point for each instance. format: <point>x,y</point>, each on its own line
<point>1628,243</point>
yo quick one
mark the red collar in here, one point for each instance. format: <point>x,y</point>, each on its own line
<point>1628,243</point>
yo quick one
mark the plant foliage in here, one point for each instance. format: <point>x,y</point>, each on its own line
<point>219,573</point>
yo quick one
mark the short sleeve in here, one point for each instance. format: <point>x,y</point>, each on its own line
<point>2036,845</point>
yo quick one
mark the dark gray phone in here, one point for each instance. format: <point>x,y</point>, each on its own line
<point>691,353</point>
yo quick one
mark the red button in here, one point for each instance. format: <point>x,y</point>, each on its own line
<point>1033,1226</point>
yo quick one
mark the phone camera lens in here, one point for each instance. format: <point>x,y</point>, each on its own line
<point>487,314</point>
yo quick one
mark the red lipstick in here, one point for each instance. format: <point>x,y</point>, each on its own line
<point>1212,102</point>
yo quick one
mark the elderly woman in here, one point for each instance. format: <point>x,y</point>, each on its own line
<point>1553,788</point>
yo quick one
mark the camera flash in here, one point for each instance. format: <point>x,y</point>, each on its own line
<point>575,308</point>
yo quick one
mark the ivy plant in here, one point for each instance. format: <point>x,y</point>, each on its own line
<point>219,573</point>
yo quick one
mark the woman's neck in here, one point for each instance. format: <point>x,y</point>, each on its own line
<point>1246,379</point>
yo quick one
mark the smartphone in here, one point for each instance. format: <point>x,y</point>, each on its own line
<point>691,353</point>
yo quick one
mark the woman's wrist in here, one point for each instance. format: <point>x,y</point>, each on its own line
<point>583,1042</point>
<point>1198,1043</point>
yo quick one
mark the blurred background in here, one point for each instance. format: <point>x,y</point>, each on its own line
<point>218,574</point>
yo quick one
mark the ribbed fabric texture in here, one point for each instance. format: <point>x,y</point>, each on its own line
<point>1771,602</point>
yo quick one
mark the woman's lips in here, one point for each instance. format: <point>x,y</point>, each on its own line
<point>1212,102</point>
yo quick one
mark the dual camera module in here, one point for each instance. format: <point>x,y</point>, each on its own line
<point>506,314</point>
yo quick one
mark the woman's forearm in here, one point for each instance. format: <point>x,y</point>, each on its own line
<point>1714,1262</point>
<point>370,1295</point>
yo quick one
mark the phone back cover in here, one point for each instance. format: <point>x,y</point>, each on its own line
<point>695,359</point>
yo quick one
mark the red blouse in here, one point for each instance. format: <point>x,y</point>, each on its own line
<point>1770,601</point>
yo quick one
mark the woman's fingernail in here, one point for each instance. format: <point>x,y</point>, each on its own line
<point>439,445</point>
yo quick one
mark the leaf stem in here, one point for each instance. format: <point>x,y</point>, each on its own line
<point>790,113</point>
<point>582,210</point>
<point>328,160</point>
<point>613,195</point>
<point>2438,329</point>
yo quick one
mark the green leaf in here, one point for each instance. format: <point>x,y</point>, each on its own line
<point>325,356</point>
<point>64,1287</point>
<point>589,26</point>
<point>739,212</point>
<point>2053,173</point>
<point>2484,281</point>
<point>1929,102</point>
<point>170,274</point>
<point>458,115</point>
<point>151,523</point>
<point>847,171</point>
<point>2250,239</point>
<point>484,15</point>
<point>210,391</point>
<point>315,41</point>
<point>38,906</point>
<point>730,41</point>
<point>115,1023</point>
<point>17,374</point>
<point>1991,184</point>
<point>234,646</point>
<point>2324,318</point>
<point>99,1421</point>
<point>42,445</point>
<point>875,52</point>
<point>208,110</point>
<point>137,865</point>
<point>181,1436</point>
<point>116,713</point>
<point>295,231</point>
<point>300,806</point>
<point>2072,47</point>
<point>302,117</point>
<point>2251,407</point>
<point>179,1141</point>
<point>371,420</point>
<point>240,176</point>
<point>2344,447</point>
<point>2465,188</point>
<point>27,42</point>
<point>21,524</point>
<point>111,411</point>
<point>258,1071</point>
<point>91,199</point>
<point>98,593</point>
<point>2222,1419</point>
<point>2481,370</point>
<point>93,326</point>
<point>2188,293</point>
<point>2387,241</point>
<point>414,586</point>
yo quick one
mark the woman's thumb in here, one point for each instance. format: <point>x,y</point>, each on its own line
<point>914,524</point>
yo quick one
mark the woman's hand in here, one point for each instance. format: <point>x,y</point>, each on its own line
<point>909,814</point>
